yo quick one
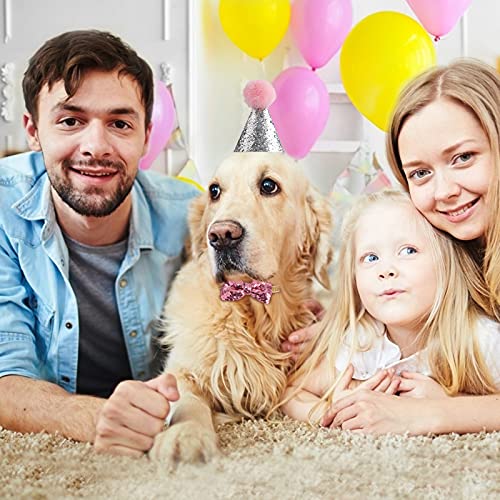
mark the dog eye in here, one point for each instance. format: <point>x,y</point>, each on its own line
<point>268,186</point>
<point>214,191</point>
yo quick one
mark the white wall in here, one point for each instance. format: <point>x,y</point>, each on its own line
<point>222,70</point>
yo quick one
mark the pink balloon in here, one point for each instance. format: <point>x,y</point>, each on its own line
<point>162,121</point>
<point>301,109</point>
<point>319,28</point>
<point>439,17</point>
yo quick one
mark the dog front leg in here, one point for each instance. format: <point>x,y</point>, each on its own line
<point>191,436</point>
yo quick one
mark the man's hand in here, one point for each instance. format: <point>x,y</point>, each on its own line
<point>134,414</point>
<point>416,385</point>
<point>298,340</point>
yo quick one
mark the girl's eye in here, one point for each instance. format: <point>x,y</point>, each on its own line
<point>214,191</point>
<point>369,258</point>
<point>419,173</point>
<point>464,157</point>
<point>269,187</point>
<point>408,251</point>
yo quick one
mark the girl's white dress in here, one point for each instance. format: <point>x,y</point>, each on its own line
<point>386,354</point>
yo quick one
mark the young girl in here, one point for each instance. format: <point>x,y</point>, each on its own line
<point>402,302</point>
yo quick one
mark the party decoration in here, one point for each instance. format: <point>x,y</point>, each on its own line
<point>319,28</point>
<point>162,124</point>
<point>439,17</point>
<point>189,174</point>
<point>255,26</point>
<point>259,133</point>
<point>301,109</point>
<point>379,56</point>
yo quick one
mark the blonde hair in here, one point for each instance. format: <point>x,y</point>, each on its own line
<point>448,333</point>
<point>476,86</point>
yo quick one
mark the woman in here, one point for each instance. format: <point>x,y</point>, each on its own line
<point>444,148</point>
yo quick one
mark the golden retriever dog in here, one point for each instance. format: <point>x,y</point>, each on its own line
<point>259,220</point>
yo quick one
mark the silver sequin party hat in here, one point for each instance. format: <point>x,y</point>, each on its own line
<point>259,133</point>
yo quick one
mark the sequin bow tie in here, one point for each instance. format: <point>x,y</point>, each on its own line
<point>258,290</point>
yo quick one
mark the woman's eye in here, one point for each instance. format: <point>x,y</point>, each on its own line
<point>408,251</point>
<point>268,186</point>
<point>418,174</point>
<point>214,191</point>
<point>371,257</point>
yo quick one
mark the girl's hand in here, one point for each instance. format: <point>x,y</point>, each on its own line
<point>383,381</point>
<point>416,385</point>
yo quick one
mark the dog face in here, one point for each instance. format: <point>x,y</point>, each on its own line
<point>258,216</point>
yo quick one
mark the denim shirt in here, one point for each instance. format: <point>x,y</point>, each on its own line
<point>38,308</point>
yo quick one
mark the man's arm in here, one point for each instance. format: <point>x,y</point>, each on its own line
<point>125,424</point>
<point>35,405</point>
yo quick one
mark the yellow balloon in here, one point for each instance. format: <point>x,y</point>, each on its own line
<point>380,55</point>
<point>255,26</point>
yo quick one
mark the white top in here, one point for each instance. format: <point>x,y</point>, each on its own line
<point>386,354</point>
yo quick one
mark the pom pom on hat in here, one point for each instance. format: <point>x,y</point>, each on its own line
<point>259,94</point>
<point>259,134</point>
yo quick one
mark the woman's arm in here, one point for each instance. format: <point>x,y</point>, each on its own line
<point>378,413</point>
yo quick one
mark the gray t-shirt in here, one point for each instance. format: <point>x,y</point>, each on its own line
<point>102,354</point>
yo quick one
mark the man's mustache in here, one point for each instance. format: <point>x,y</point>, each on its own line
<point>118,165</point>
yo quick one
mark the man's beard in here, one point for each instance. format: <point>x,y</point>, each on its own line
<point>91,202</point>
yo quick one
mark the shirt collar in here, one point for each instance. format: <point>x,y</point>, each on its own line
<point>37,204</point>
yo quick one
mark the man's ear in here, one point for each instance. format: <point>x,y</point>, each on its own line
<point>148,137</point>
<point>31,132</point>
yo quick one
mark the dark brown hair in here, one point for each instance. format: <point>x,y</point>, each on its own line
<point>69,56</point>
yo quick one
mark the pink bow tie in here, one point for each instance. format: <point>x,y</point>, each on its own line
<point>258,290</point>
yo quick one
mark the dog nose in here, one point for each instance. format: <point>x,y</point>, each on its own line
<point>226,234</point>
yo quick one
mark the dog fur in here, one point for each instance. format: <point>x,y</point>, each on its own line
<point>226,355</point>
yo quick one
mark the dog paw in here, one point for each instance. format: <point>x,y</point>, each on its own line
<point>184,442</point>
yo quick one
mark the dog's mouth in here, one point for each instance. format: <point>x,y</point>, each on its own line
<point>229,263</point>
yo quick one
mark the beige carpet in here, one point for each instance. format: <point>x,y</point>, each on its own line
<point>262,460</point>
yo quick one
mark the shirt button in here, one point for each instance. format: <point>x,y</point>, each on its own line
<point>141,374</point>
<point>68,325</point>
<point>123,283</point>
<point>133,333</point>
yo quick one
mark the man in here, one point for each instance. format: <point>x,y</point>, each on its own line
<point>88,248</point>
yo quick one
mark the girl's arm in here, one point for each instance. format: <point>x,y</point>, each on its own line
<point>299,406</point>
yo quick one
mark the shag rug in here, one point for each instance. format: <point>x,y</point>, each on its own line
<point>266,460</point>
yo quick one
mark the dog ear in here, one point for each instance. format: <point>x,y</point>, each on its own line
<point>318,230</point>
<point>197,225</point>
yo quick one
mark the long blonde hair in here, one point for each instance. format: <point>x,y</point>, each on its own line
<point>476,86</point>
<point>448,333</point>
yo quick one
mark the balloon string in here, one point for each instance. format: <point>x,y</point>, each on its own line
<point>437,38</point>
<point>263,67</point>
